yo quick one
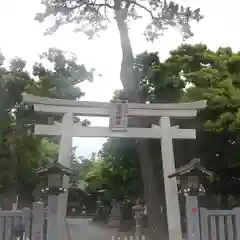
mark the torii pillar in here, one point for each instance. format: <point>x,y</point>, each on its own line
<point>171,191</point>
<point>64,157</point>
<point>65,151</point>
<point>170,185</point>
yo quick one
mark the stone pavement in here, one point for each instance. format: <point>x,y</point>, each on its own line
<point>85,229</point>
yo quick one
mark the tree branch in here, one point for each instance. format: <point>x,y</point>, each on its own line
<point>105,10</point>
<point>143,7</point>
<point>127,5</point>
<point>93,4</point>
<point>65,9</point>
<point>101,5</point>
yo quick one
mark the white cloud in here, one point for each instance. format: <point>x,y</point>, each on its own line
<point>22,36</point>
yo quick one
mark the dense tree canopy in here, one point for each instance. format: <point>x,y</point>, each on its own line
<point>20,150</point>
<point>95,16</point>
<point>191,73</point>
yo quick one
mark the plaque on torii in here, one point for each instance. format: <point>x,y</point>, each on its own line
<point>118,112</point>
<point>118,118</point>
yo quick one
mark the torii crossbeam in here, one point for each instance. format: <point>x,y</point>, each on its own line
<point>118,113</point>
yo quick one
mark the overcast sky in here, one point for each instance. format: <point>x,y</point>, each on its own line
<point>22,36</point>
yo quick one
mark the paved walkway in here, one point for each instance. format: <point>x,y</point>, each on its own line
<point>84,229</point>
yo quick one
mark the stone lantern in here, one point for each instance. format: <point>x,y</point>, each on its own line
<point>190,178</point>
<point>55,173</point>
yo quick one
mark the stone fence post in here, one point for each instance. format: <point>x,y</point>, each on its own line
<point>237,212</point>
<point>27,212</point>
<point>192,215</point>
<point>37,221</point>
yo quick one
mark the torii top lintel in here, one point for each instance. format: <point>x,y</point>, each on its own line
<point>60,106</point>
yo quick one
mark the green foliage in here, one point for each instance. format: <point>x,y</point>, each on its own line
<point>191,73</point>
<point>20,150</point>
<point>157,77</point>
<point>115,171</point>
<point>212,80</point>
<point>213,76</point>
<point>61,81</point>
<point>122,168</point>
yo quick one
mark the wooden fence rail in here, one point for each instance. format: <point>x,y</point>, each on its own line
<point>30,220</point>
<point>220,224</point>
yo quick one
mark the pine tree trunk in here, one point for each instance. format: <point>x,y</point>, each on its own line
<point>130,83</point>
<point>156,225</point>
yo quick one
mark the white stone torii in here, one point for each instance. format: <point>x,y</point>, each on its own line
<point>68,129</point>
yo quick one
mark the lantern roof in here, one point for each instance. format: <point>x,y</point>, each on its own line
<point>81,185</point>
<point>54,168</point>
<point>193,165</point>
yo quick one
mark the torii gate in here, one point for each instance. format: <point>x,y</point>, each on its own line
<point>118,112</point>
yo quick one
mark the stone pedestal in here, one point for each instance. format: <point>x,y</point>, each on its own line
<point>97,215</point>
<point>115,215</point>
<point>127,219</point>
